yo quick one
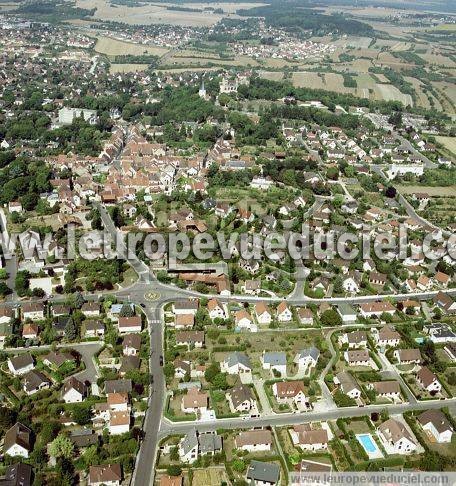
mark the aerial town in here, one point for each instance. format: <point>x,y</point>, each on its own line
<point>317,334</point>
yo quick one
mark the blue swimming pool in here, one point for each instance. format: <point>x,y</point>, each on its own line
<point>367,442</point>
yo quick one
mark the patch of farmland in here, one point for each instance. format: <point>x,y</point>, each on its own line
<point>208,61</point>
<point>335,82</point>
<point>388,92</point>
<point>271,75</point>
<point>437,58</point>
<point>400,46</point>
<point>114,47</point>
<point>450,144</point>
<point>431,190</point>
<point>353,41</point>
<point>308,80</point>
<point>361,65</point>
<point>448,89</point>
<point>422,99</point>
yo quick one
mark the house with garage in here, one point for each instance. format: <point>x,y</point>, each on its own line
<point>33,311</point>
<point>17,441</point>
<point>35,381</point>
<point>386,389</point>
<point>74,391</point>
<point>387,336</point>
<point>407,356</point>
<point>275,362</point>
<point>308,438</point>
<point>263,313</point>
<point>436,426</point>
<point>428,380</point>
<point>236,363</point>
<point>357,357</point>
<point>188,448</point>
<point>396,438</point>
<point>195,401</point>
<point>21,364</point>
<point>241,399</point>
<point>291,393</point>
<point>243,320</point>
<point>216,309</point>
<point>354,339</point>
<point>307,358</point>
<point>190,339</point>
<point>284,313</point>
<point>348,384</point>
<point>254,440</point>
<point>105,475</point>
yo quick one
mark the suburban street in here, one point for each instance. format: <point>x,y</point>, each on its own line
<point>278,420</point>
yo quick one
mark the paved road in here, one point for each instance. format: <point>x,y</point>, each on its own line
<point>10,263</point>
<point>145,462</point>
<point>87,350</point>
<point>279,420</point>
<point>407,145</point>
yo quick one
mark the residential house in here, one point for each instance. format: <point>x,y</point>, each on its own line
<point>262,313</point>
<point>396,438</point>
<point>290,392</point>
<point>408,356</point>
<point>129,324</point>
<point>305,316</point>
<point>74,391</point>
<point>284,313</point>
<point>241,399</point>
<point>376,278</point>
<point>309,439</point>
<point>105,475</point>
<point>30,331</point>
<point>33,311</point>
<point>188,448</point>
<point>348,384</point>
<point>94,328</point>
<point>6,314</point>
<point>445,302</point>
<point>119,422</point>
<point>91,309</point>
<point>190,339</point>
<point>236,363</point>
<point>17,441</point>
<point>263,473</point>
<point>354,339</point>
<point>216,309</point>
<point>243,320</point>
<point>254,440</point>
<point>185,307</point>
<point>357,357</point>
<point>195,401</point>
<point>275,362</point>
<point>386,389</point>
<point>428,380</point>
<point>386,336</point>
<point>21,364</point>
<point>376,309</point>
<point>307,358</point>
<point>35,381</point>
<point>436,425</point>
<point>131,344</point>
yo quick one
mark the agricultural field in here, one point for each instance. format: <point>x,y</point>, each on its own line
<point>147,14</point>
<point>449,143</point>
<point>271,75</point>
<point>431,190</point>
<point>114,47</point>
<point>209,477</point>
